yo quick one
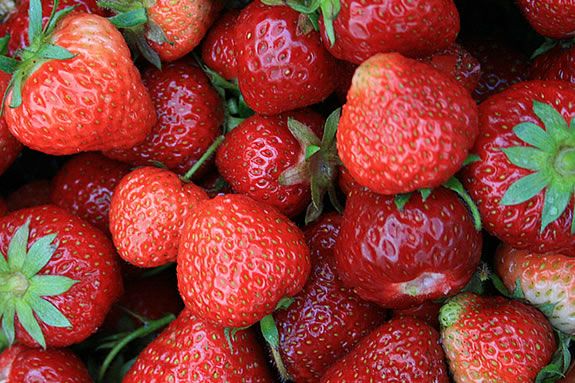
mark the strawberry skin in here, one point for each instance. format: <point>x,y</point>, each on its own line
<point>404,350</point>
<point>219,47</point>
<point>282,65</point>
<point>405,125</point>
<point>10,147</point>
<point>493,339</point>
<point>147,214</point>
<point>84,186</point>
<point>65,110</point>
<point>190,350</point>
<point>557,64</point>
<point>458,63</point>
<point>326,319</point>
<point>396,258</point>
<point>237,259</point>
<point>551,18</point>
<point>34,193</point>
<point>427,312</point>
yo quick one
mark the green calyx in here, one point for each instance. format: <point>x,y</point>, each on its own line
<point>318,166</point>
<point>22,289</point>
<point>450,313</point>
<point>550,157</point>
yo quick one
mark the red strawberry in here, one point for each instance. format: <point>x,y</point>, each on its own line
<point>219,48</point>
<point>557,64</point>
<point>84,186</point>
<point>10,147</point>
<point>60,109</point>
<point>544,280</point>
<point>551,18</point>
<point>282,64</point>
<point>404,350</point>
<point>457,63</point>
<point>345,77</point>
<point>190,114</point>
<point>346,182</point>
<point>405,126</point>
<point>493,339</point>
<point>147,215</point>
<point>403,256</point>
<point>61,277</point>
<point>191,351</point>
<point>427,312</point>
<point>523,183</point>
<point>326,319</point>
<point>3,207</point>
<point>34,193</point>
<point>20,364</point>
<point>237,259</point>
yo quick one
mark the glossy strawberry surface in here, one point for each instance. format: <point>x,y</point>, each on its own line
<point>219,46</point>
<point>551,18</point>
<point>457,62</point>
<point>10,147</point>
<point>557,64</point>
<point>33,193</point>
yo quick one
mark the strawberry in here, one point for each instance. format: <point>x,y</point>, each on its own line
<point>59,274</point>
<point>403,350</point>
<point>346,182</point>
<point>556,64</point>
<point>10,147</point>
<point>191,350</point>
<point>282,64</point>
<point>405,126</point>
<point>393,255</point>
<point>55,107</point>
<point>84,186</point>
<point>427,312</point>
<point>219,47</point>
<point>20,364</point>
<point>544,280</point>
<point>237,259</point>
<point>551,18</point>
<point>147,214</point>
<point>326,319</point>
<point>458,63</point>
<point>182,133</point>
<point>345,77</point>
<point>523,183</point>
<point>494,339</point>
<point>34,193</point>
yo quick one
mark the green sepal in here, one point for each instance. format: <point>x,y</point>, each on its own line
<point>525,157</point>
<point>130,19</point>
<point>4,42</point>
<point>29,322</point>
<point>271,335</point>
<point>39,255</point>
<point>401,200</point>
<point>472,158</point>
<point>330,10</point>
<point>35,16</point>
<point>560,362</point>
<point>499,285</point>
<point>554,123</point>
<point>547,45</point>
<point>50,285</point>
<point>425,193</point>
<point>54,52</point>
<point>548,309</point>
<point>8,64</point>
<point>55,18</point>
<point>455,185</point>
<point>18,246</point>
<point>330,130</point>
<point>555,203</point>
<point>525,188</point>
<point>517,290</point>
<point>534,135</point>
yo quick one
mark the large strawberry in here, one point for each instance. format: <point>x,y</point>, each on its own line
<point>10,147</point>
<point>219,46</point>
<point>84,186</point>
<point>20,364</point>
<point>401,256</point>
<point>523,183</point>
<point>71,92</point>
<point>282,64</point>
<point>147,213</point>
<point>494,339</point>
<point>326,319</point>
<point>238,259</point>
<point>405,126</point>
<point>551,18</point>
<point>556,64</point>
<point>33,193</point>
<point>59,277</point>
<point>404,350</point>
<point>191,350</point>
<point>190,114</point>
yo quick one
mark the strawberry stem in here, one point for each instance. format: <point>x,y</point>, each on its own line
<point>206,156</point>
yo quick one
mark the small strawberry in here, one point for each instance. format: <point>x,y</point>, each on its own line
<point>10,147</point>
<point>191,350</point>
<point>282,64</point>
<point>237,259</point>
<point>219,47</point>
<point>523,183</point>
<point>551,18</point>
<point>427,312</point>
<point>20,364</point>
<point>404,350</point>
<point>494,339</point>
<point>84,186</point>
<point>326,319</point>
<point>400,256</point>
<point>405,126</point>
<point>59,277</point>
<point>458,63</point>
<point>556,64</point>
<point>34,193</point>
<point>147,214</point>
<point>57,108</point>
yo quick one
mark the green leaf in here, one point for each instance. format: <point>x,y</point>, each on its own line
<point>35,20</point>
<point>156,34</point>
<point>471,159</point>
<point>329,10</point>
<point>50,285</point>
<point>302,133</point>
<point>330,129</point>
<point>560,362</point>
<point>547,309</point>
<point>54,52</point>
<point>295,175</point>
<point>130,19</point>
<point>534,135</point>
<point>16,86</point>
<point>334,199</point>
<point>554,122</point>
<point>8,323</point>
<point>547,45</point>
<point>556,200</point>
<point>499,285</point>
<point>39,255</point>
<point>29,322</point>
<point>147,51</point>
<point>56,17</point>
<point>4,41</point>
<point>526,157</point>
<point>4,268</point>
<point>285,303</point>
<point>270,331</point>
<point>401,200</point>
<point>518,291</point>
<point>18,246</point>
<point>8,64</point>
<point>455,185</point>
<point>47,312</point>
<point>425,193</point>
<point>525,188</point>
<point>311,150</point>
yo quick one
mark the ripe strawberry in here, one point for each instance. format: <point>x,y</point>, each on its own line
<point>405,126</point>
<point>20,364</point>
<point>346,182</point>
<point>493,339</point>
<point>191,350</point>
<point>403,350</point>
<point>523,183</point>
<point>403,256</point>
<point>282,64</point>
<point>556,64</point>
<point>544,280</point>
<point>147,215</point>
<point>60,277</point>
<point>219,48</point>
<point>237,259</point>
<point>458,63</point>
<point>551,18</point>
<point>10,147</point>
<point>84,187</point>
<point>56,108</point>
<point>427,312</point>
<point>190,114</point>
<point>34,193</point>
<point>326,319</point>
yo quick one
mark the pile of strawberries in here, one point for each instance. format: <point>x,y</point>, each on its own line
<point>333,191</point>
